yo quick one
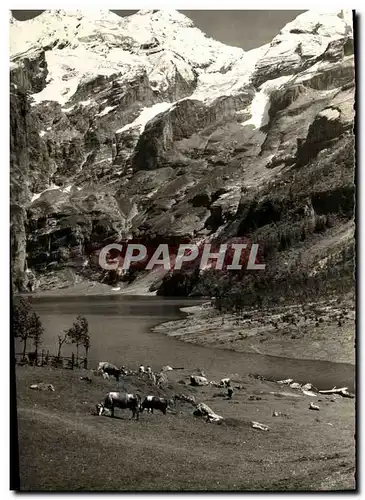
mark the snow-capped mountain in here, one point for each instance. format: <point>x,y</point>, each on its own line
<point>145,126</point>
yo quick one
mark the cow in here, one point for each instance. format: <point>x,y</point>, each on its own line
<point>107,368</point>
<point>154,403</point>
<point>121,400</point>
<point>32,358</point>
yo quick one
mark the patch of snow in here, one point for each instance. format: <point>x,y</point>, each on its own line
<point>261,103</point>
<point>330,114</point>
<point>146,115</point>
<point>101,161</point>
<point>106,110</point>
<point>67,110</point>
<point>153,192</point>
<point>37,195</point>
<point>215,84</point>
<point>164,69</point>
<point>42,133</point>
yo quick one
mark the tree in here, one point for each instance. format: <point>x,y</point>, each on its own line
<point>79,334</point>
<point>62,339</point>
<point>27,325</point>
<point>86,344</point>
<point>37,331</point>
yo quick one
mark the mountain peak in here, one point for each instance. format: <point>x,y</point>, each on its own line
<point>169,16</point>
<point>321,23</point>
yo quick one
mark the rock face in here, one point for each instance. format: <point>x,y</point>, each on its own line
<point>144,127</point>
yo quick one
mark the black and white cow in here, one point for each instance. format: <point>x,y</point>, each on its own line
<point>107,368</point>
<point>120,400</point>
<point>154,403</point>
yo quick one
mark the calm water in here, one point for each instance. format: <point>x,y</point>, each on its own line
<point>120,330</point>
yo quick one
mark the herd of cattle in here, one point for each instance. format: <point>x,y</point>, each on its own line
<point>108,370</point>
<point>133,402</point>
<point>137,405</point>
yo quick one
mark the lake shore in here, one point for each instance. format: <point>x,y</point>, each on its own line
<point>92,289</point>
<point>319,331</point>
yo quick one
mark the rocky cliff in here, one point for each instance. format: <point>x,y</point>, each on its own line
<point>144,127</point>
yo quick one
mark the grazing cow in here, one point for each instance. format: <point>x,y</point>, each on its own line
<point>108,368</point>
<point>120,400</point>
<point>154,403</point>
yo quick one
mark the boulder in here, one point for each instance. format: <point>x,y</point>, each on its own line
<point>197,380</point>
<point>42,387</point>
<point>203,410</point>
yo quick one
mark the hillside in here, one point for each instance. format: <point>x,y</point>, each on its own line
<point>143,127</point>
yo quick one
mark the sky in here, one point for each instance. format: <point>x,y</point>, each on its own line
<point>242,28</point>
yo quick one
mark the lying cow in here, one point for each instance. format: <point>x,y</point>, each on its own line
<point>120,400</point>
<point>111,370</point>
<point>154,403</point>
